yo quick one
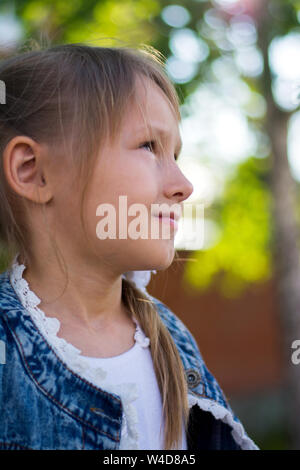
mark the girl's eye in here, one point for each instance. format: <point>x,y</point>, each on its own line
<point>151,144</point>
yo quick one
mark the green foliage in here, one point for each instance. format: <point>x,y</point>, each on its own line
<point>242,254</point>
<point>125,20</point>
<point>89,20</point>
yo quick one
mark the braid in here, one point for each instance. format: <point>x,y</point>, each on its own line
<point>166,361</point>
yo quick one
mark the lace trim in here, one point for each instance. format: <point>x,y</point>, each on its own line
<point>140,278</point>
<point>220,412</point>
<point>71,355</point>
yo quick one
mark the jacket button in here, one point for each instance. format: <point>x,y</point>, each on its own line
<point>193,377</point>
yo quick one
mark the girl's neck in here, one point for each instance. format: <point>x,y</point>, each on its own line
<point>86,301</point>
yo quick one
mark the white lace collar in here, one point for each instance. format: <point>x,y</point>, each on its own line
<point>140,278</point>
<point>72,357</point>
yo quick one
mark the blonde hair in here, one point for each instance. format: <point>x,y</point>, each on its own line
<point>72,97</point>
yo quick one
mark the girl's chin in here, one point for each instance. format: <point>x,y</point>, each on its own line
<point>162,262</point>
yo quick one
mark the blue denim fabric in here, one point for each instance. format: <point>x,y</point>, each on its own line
<point>45,405</point>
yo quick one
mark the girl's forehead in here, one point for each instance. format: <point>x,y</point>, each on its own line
<point>151,109</point>
<point>147,92</point>
<point>155,123</point>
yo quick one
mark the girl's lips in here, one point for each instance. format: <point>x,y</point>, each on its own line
<point>168,220</point>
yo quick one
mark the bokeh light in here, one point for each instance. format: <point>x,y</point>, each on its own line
<point>176,16</point>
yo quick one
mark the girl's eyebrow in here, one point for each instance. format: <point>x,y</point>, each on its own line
<point>162,132</point>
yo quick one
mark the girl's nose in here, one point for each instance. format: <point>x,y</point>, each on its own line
<point>179,186</point>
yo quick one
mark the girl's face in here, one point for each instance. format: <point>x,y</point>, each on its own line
<point>143,174</point>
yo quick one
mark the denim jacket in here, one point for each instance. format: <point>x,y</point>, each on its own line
<point>45,405</point>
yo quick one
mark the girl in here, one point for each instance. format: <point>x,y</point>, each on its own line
<point>92,361</point>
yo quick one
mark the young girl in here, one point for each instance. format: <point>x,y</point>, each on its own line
<point>92,361</point>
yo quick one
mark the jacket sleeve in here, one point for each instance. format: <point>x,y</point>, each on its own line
<point>2,353</point>
<point>207,433</point>
<point>213,415</point>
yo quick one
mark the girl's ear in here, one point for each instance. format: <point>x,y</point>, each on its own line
<point>25,169</point>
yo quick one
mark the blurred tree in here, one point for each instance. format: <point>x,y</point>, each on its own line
<point>283,188</point>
